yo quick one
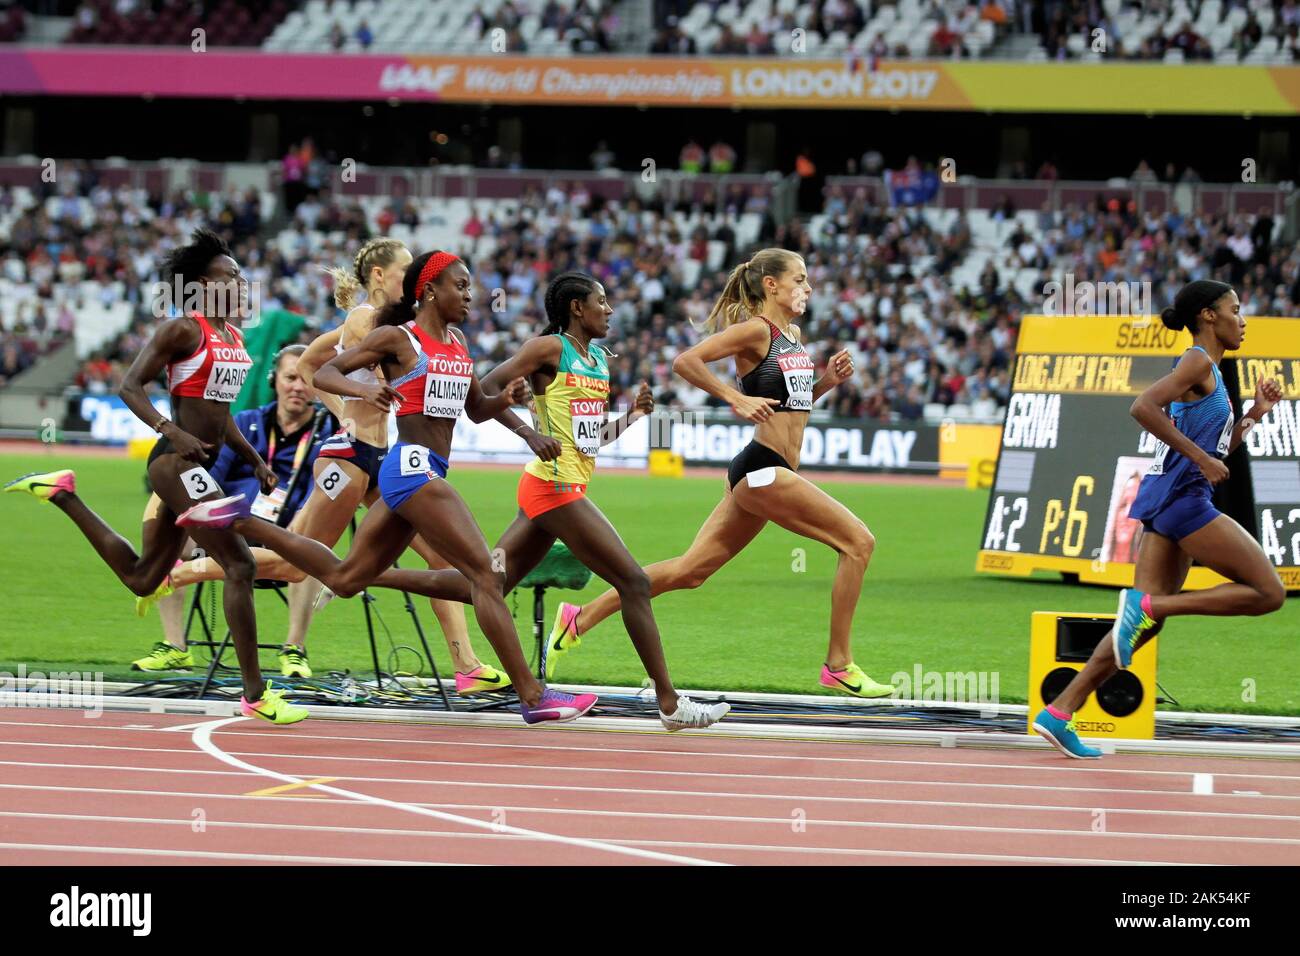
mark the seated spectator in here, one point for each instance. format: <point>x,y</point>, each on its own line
<point>691,159</point>
<point>722,158</point>
<point>945,41</point>
<point>365,36</point>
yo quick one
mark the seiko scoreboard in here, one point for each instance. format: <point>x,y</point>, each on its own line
<point>1072,456</point>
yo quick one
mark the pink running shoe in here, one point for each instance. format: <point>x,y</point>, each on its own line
<point>218,513</point>
<point>557,705</point>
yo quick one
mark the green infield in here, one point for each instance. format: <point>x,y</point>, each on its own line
<point>760,624</point>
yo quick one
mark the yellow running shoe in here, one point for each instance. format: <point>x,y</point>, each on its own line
<point>482,678</point>
<point>164,657</point>
<point>853,680</point>
<point>45,485</point>
<point>273,708</point>
<point>293,661</point>
<point>142,604</point>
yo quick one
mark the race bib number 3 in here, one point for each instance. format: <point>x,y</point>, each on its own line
<point>415,460</point>
<point>198,483</point>
<point>588,416</point>
<point>332,480</point>
<point>225,381</point>
<point>798,372</point>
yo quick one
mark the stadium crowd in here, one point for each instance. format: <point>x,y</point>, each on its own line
<point>882,277</point>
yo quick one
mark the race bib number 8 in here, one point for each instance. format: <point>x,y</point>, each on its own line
<point>588,416</point>
<point>798,372</point>
<point>198,483</point>
<point>415,460</point>
<point>332,480</point>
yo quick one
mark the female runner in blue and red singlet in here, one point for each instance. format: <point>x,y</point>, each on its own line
<point>1175,504</point>
<point>206,365</point>
<point>424,358</point>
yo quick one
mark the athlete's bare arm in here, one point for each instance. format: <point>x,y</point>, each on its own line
<point>747,340</point>
<point>385,342</point>
<point>174,339</point>
<point>1189,375</point>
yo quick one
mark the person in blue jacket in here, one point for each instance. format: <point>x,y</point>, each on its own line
<point>285,434</point>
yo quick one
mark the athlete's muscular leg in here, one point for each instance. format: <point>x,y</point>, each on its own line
<point>798,505</point>
<point>440,516</point>
<point>161,539</point>
<point>724,535</point>
<point>595,543</point>
<point>1225,547</point>
<point>381,538</point>
<point>323,519</point>
<point>1161,569</point>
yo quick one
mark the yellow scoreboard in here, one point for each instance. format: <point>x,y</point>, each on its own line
<point>1071,456</point>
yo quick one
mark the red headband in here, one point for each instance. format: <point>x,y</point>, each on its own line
<point>433,268</point>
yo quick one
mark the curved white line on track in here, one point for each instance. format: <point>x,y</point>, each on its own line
<point>202,737</point>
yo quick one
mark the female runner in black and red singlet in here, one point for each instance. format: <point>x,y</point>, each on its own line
<point>206,364</point>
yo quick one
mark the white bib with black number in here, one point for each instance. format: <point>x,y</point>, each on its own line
<point>415,460</point>
<point>798,371</point>
<point>588,421</point>
<point>332,480</point>
<point>198,483</point>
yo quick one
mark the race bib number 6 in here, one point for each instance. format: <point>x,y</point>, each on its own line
<point>198,483</point>
<point>415,460</point>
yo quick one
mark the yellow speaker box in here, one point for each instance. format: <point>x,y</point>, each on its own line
<point>1124,707</point>
<point>666,464</point>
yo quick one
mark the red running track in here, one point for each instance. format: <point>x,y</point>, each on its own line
<point>130,788</point>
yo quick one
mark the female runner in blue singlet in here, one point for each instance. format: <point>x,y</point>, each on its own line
<point>1175,504</point>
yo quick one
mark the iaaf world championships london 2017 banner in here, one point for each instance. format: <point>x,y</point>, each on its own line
<point>851,83</point>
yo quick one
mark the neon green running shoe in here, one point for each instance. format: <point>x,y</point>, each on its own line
<point>563,636</point>
<point>142,604</point>
<point>44,485</point>
<point>273,708</point>
<point>293,661</point>
<point>164,657</point>
<point>482,678</point>
<point>853,680</point>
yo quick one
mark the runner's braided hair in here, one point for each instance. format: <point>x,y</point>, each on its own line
<point>347,285</point>
<point>563,290</point>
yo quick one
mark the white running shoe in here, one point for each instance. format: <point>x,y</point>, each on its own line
<point>691,713</point>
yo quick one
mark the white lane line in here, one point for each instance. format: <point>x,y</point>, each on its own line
<point>482,764</point>
<point>1084,830</point>
<point>202,737</point>
<point>174,730</point>
<point>216,855</point>
<point>427,781</point>
<point>1070,767</point>
<point>940,804</point>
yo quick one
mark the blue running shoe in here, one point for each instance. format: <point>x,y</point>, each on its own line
<point>1060,734</point>
<point>1131,622</point>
